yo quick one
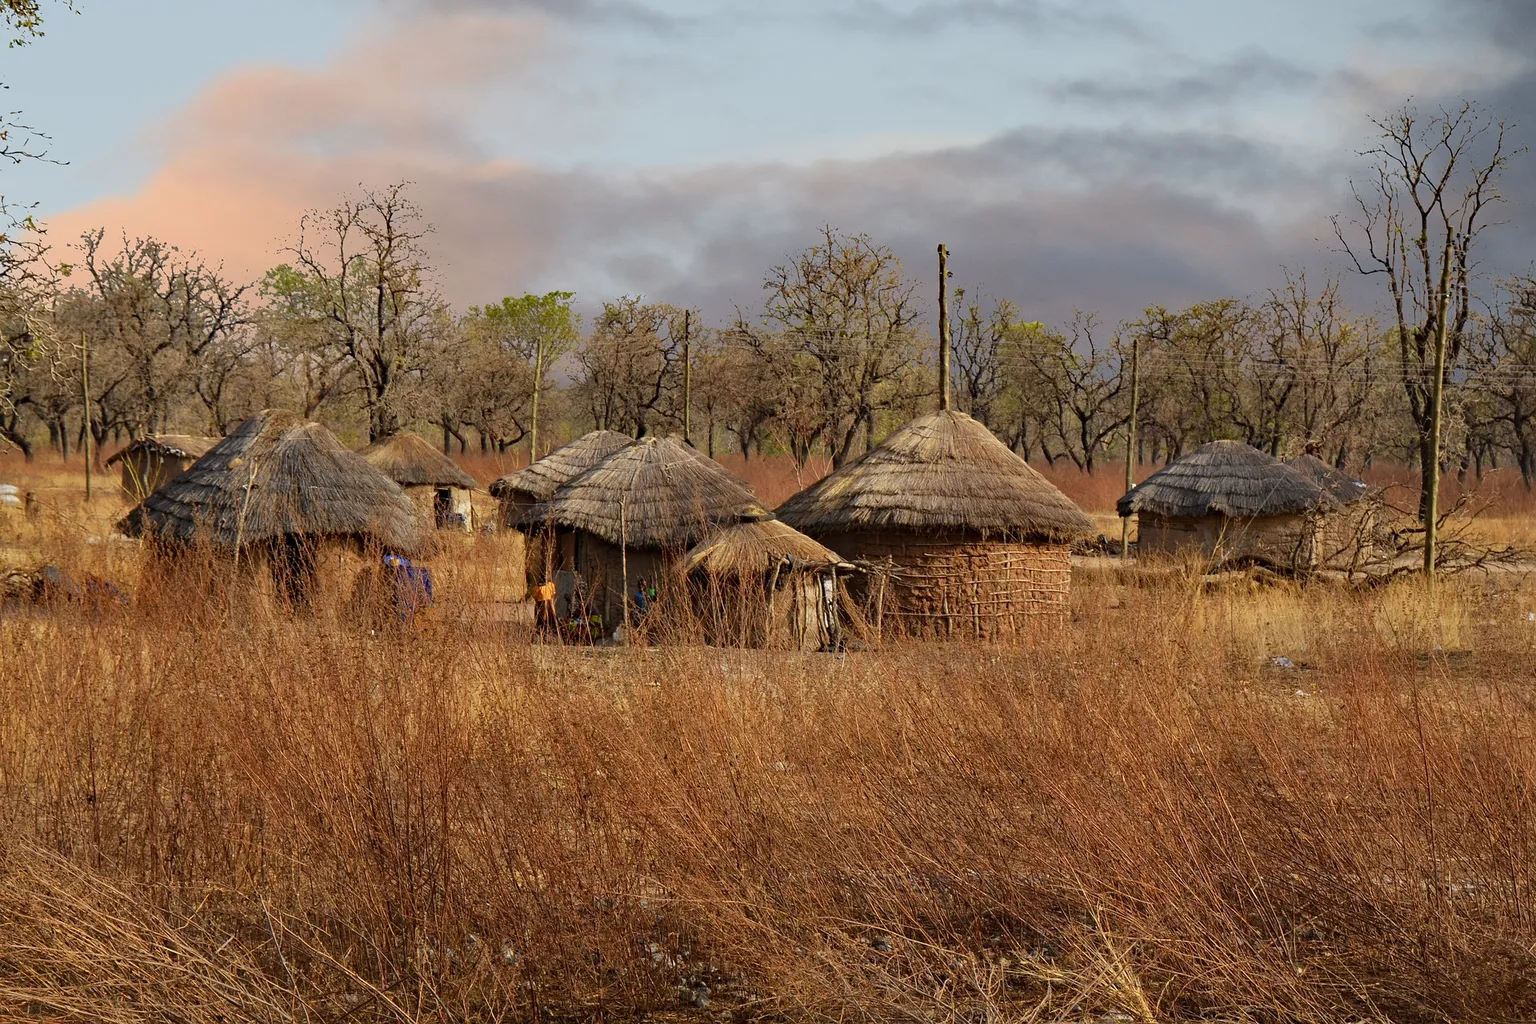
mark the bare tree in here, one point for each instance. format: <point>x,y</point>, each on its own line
<point>979,339</point>
<point>1508,376</point>
<point>372,288</point>
<point>1329,358</point>
<point>847,312</point>
<point>1415,226</point>
<point>630,369</point>
<point>1081,375</point>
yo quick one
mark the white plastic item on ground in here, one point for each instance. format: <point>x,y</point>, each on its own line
<point>9,489</point>
<point>9,499</point>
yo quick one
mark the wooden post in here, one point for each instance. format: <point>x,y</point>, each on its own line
<point>1436,406</point>
<point>85,395</point>
<point>1130,444</point>
<point>943,327</point>
<point>687,377</point>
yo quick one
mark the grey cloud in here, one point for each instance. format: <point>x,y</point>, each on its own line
<point>619,13</point>
<point>1243,75</point>
<point>1114,242</point>
<point>882,17</point>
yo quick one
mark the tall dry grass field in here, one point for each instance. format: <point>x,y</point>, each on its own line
<point>210,810</point>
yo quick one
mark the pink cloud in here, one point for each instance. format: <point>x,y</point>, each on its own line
<point>1055,219</point>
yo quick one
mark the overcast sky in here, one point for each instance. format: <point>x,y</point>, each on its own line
<point>1095,154</point>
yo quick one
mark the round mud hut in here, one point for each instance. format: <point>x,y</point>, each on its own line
<point>1230,502</point>
<point>763,583</point>
<point>1346,539</point>
<point>627,520</point>
<point>958,535</point>
<point>151,461</point>
<point>431,479</point>
<point>282,494</point>
<point>517,492</point>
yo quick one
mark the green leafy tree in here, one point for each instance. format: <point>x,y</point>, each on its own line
<point>536,329</point>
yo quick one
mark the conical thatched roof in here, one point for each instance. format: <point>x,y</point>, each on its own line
<point>654,493</point>
<point>411,462</point>
<point>277,475</point>
<point>941,472</point>
<point>175,445</point>
<point>1224,478</point>
<point>541,478</point>
<point>1337,483</point>
<point>755,545</point>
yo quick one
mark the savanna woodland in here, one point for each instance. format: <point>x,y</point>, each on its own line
<point>1190,792</point>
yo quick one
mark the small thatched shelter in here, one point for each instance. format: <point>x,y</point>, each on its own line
<point>282,492</point>
<point>962,537</point>
<point>1347,534</point>
<point>151,461</point>
<point>432,479</point>
<point>762,583</point>
<point>517,492</point>
<point>631,516</point>
<point>1230,501</point>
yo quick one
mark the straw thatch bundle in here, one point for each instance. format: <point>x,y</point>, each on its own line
<point>277,477</point>
<point>756,545</point>
<point>1226,478</point>
<point>411,462</point>
<point>943,472</point>
<point>539,480</point>
<point>1336,483</point>
<point>182,446</point>
<point>655,493</point>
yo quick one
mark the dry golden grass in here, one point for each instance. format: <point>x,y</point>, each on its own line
<point>212,811</point>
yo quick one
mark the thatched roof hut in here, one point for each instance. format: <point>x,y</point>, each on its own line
<point>273,478</point>
<point>758,543</point>
<point>151,461</point>
<point>540,479</point>
<point>412,462</point>
<point>1339,485</point>
<point>1226,478</point>
<point>762,583</point>
<point>633,514</point>
<point>941,472</point>
<point>516,492</point>
<point>967,537</point>
<point>1231,501</point>
<point>427,475</point>
<point>653,493</point>
<point>1347,537</point>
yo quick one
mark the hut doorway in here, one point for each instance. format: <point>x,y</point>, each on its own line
<point>293,563</point>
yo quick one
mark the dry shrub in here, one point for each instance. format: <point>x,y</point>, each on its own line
<point>216,810</point>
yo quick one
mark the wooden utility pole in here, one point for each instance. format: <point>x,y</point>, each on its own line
<point>687,377</point>
<point>1436,407</point>
<point>1130,444</point>
<point>85,395</point>
<point>943,327</point>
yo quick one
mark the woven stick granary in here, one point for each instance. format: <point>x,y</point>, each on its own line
<point>757,544</point>
<point>967,539</point>
<point>276,477</point>
<point>762,583</point>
